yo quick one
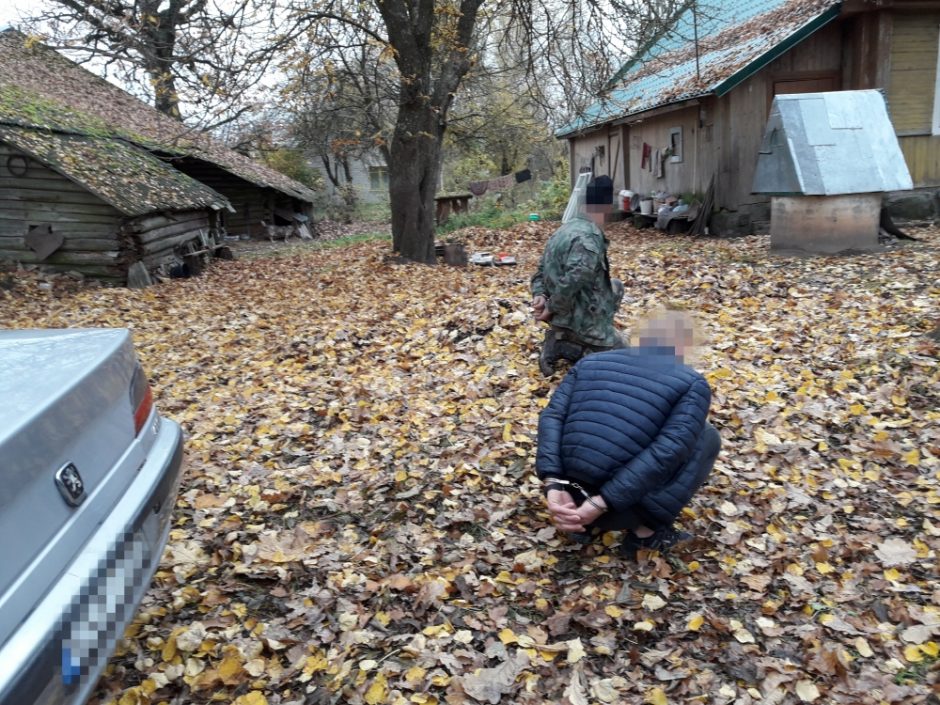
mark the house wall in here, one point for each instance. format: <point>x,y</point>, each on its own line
<point>361,181</point>
<point>741,116</point>
<point>252,203</point>
<point>603,152</point>
<point>912,84</point>
<point>41,196</point>
<point>682,174</point>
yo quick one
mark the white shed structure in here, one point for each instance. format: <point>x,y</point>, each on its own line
<point>826,159</point>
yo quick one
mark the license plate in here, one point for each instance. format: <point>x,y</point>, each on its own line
<point>91,627</point>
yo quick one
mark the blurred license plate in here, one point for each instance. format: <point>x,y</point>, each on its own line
<point>97,618</point>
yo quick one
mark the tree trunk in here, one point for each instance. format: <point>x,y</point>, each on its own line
<point>414,172</point>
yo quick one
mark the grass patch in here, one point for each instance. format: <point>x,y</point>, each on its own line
<point>266,250</point>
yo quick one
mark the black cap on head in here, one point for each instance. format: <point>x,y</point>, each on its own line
<point>600,191</point>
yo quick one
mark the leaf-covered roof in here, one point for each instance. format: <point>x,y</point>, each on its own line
<point>735,40</point>
<point>121,174</point>
<point>65,97</point>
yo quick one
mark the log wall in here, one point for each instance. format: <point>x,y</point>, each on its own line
<point>41,196</point>
<point>155,238</point>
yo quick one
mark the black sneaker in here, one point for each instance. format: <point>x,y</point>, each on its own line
<point>661,540</point>
<point>582,537</point>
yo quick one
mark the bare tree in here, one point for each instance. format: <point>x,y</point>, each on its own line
<point>201,54</point>
<point>563,50</point>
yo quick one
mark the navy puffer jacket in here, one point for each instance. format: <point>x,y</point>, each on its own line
<point>625,422</point>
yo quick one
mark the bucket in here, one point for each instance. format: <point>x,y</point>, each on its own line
<point>625,197</point>
<point>646,206</point>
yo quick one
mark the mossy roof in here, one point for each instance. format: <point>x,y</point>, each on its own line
<point>40,88</point>
<point>129,178</point>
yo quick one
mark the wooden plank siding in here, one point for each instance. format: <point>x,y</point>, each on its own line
<point>922,154</point>
<point>41,196</point>
<point>252,203</point>
<point>743,112</point>
<point>678,177</point>
<point>913,72</point>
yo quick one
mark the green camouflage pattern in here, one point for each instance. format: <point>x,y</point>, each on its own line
<point>574,275</point>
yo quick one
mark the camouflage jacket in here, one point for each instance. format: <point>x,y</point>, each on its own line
<point>574,275</point>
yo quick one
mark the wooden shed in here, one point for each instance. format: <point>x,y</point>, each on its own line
<point>690,108</point>
<point>99,181</point>
<point>70,201</point>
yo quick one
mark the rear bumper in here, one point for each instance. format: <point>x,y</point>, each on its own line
<point>58,652</point>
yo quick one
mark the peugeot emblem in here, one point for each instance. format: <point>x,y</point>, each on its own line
<point>70,484</point>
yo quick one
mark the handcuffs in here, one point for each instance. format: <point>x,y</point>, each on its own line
<point>557,483</point>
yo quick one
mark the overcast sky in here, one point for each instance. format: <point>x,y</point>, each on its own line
<point>11,10</point>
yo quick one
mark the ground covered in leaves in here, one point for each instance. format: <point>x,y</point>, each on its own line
<point>359,521</point>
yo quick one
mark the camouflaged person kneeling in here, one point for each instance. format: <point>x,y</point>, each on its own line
<point>572,289</point>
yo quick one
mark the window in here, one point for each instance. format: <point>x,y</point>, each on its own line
<point>378,178</point>
<point>675,144</point>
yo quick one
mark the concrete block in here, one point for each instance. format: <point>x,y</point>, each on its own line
<point>912,206</point>
<point>825,224</point>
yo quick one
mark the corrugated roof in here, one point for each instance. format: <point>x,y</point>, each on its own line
<point>826,144</point>
<point>735,40</point>
<point>127,177</point>
<point>74,99</point>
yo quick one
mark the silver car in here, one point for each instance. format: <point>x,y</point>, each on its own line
<point>89,473</point>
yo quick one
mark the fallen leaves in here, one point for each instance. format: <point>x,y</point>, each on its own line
<point>358,520</point>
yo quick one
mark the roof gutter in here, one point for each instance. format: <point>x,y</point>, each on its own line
<point>778,50</point>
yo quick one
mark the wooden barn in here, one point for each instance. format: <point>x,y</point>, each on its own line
<point>94,180</point>
<point>690,109</point>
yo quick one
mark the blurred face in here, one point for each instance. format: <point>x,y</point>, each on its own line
<point>596,213</point>
<point>668,333</point>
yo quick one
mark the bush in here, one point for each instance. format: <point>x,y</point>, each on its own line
<point>489,212</point>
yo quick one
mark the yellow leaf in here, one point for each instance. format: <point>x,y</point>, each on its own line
<point>912,457</point>
<point>695,622</point>
<point>507,432</point>
<point>913,653</point>
<point>931,648</point>
<point>401,476</point>
<point>644,626</point>
<point>378,691</point>
<point>253,698</point>
<point>893,574</point>
<point>614,611</point>
<point>230,669</point>
<point>507,636</point>
<point>863,648</point>
<point>415,674</point>
<point>824,568</point>
<point>856,409</point>
<point>655,696</point>
<point>693,566</point>
<point>440,680</point>
<point>436,630</point>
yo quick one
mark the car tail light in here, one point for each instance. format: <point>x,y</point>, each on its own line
<point>141,399</point>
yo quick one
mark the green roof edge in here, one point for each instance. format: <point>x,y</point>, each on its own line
<point>732,81</point>
<point>778,50</point>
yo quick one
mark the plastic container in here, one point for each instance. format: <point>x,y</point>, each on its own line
<point>626,196</point>
<point>646,206</point>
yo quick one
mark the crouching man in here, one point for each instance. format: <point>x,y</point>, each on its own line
<point>625,443</point>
